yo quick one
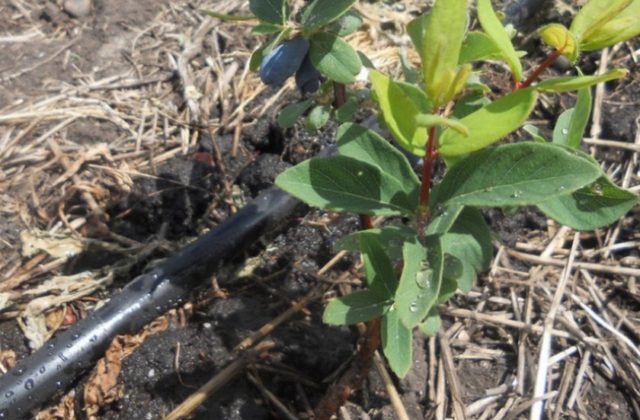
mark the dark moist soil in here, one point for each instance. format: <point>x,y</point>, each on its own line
<point>186,195</point>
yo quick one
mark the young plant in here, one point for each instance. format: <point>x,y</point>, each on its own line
<point>309,46</point>
<point>413,267</point>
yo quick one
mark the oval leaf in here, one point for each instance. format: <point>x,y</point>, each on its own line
<point>420,280</point>
<point>478,46</point>
<point>323,12</point>
<point>623,27</point>
<point>571,124</point>
<point>381,276</point>
<point>361,306</point>
<point>592,207</point>
<point>399,112</point>
<point>489,124</point>
<point>397,343</point>
<point>271,11</point>
<point>515,175</point>
<point>594,14</point>
<point>290,114</point>
<point>345,184</point>
<point>334,58</point>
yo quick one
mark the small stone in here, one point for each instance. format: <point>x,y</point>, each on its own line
<point>77,8</point>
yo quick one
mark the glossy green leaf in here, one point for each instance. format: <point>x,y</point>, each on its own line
<point>571,124</point>
<point>489,124</point>
<point>496,31</point>
<point>318,117</point>
<point>557,36</point>
<point>381,276</point>
<point>322,12</point>
<point>397,343</point>
<point>399,112</point>
<point>430,120</point>
<point>515,175</point>
<point>290,113</point>
<point>453,271</point>
<point>469,240</point>
<point>595,14</point>
<point>622,27</point>
<point>271,11</point>
<point>334,58</point>
<point>411,75</point>
<point>420,280</point>
<point>571,83</point>
<point>347,24</point>
<point>443,219</point>
<point>360,306</point>
<point>591,207</point>
<point>441,43</point>
<point>367,146</point>
<point>478,46</point>
<point>391,237</point>
<point>226,18</point>
<point>432,324</point>
<point>345,184</point>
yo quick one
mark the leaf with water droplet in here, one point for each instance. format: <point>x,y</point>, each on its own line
<point>412,300</point>
<point>396,343</point>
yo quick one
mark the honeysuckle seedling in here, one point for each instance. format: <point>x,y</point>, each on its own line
<point>413,267</point>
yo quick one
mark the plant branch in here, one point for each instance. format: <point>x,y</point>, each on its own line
<point>538,71</point>
<point>353,378</point>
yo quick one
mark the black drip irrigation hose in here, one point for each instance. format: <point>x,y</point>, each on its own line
<point>56,365</point>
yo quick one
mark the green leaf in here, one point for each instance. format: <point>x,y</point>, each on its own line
<point>478,46</point>
<point>397,343</point>
<point>347,24</point>
<point>515,175</point>
<point>557,36</point>
<point>322,12</point>
<point>623,27</point>
<point>570,83</point>
<point>399,112</point>
<point>345,113</point>
<point>416,29</point>
<point>432,324</point>
<point>494,29</point>
<point>226,18</point>
<point>595,14</point>
<point>470,103</point>
<point>411,75</point>
<point>535,133</point>
<point>469,240</point>
<point>290,113</point>
<point>420,280</point>
<point>571,124</point>
<point>443,219</point>
<point>440,50</point>
<point>367,146</point>
<point>453,272</point>
<point>592,207</point>
<point>391,237</point>
<point>430,120</point>
<point>381,276</point>
<point>266,28</point>
<point>489,124</point>
<point>271,11</point>
<point>345,184</point>
<point>361,306</point>
<point>318,117</point>
<point>334,58</point>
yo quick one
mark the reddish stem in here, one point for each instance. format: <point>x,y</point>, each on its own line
<point>365,221</point>
<point>427,168</point>
<point>538,71</point>
<point>339,94</point>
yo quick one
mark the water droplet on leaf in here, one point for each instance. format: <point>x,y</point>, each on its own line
<point>413,307</point>
<point>29,384</point>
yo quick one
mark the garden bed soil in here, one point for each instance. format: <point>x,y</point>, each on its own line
<point>98,144</point>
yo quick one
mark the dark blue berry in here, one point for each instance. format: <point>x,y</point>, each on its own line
<point>283,61</point>
<point>308,79</point>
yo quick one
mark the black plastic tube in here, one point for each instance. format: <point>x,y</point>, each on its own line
<point>58,363</point>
